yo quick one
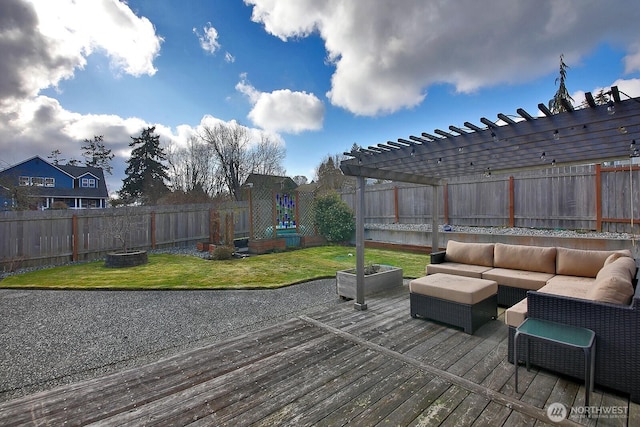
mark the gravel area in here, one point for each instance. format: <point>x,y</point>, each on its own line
<point>515,231</point>
<point>50,338</point>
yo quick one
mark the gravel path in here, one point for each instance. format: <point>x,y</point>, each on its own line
<point>50,338</point>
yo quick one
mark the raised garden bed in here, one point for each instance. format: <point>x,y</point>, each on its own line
<point>377,278</point>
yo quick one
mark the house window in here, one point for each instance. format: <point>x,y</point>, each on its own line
<point>37,181</point>
<point>88,183</point>
<point>24,181</point>
<point>49,182</point>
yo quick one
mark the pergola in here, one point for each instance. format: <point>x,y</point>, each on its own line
<point>592,134</point>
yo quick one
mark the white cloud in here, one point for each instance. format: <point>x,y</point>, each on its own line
<point>386,54</point>
<point>209,39</point>
<point>229,58</point>
<point>43,42</point>
<point>283,110</point>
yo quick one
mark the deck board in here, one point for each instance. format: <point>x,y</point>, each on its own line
<point>335,366</point>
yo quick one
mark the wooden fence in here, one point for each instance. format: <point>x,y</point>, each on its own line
<point>590,197</point>
<point>34,238</point>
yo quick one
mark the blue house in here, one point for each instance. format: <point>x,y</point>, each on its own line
<point>45,184</point>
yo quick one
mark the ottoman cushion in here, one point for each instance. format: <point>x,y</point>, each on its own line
<point>460,289</point>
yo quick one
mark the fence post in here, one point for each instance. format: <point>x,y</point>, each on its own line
<point>251,233</point>
<point>297,211</point>
<point>274,214</point>
<point>395,205</point>
<point>598,197</point>
<point>512,198</point>
<point>214,226</point>
<point>435,239</point>
<point>74,237</point>
<point>153,230</point>
<point>445,196</point>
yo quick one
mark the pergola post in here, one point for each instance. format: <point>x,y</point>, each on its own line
<point>360,304</point>
<point>435,234</point>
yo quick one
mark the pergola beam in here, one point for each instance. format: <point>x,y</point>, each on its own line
<point>506,119</point>
<point>545,110</point>
<point>524,114</point>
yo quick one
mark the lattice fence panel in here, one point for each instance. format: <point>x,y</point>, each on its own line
<point>306,226</point>
<point>262,215</point>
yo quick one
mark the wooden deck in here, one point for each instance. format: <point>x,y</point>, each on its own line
<point>376,367</point>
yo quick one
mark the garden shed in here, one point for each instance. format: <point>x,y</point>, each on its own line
<point>593,134</point>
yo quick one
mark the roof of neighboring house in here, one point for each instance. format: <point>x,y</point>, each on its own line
<point>271,181</point>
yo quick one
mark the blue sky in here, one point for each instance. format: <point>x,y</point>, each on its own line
<point>315,75</point>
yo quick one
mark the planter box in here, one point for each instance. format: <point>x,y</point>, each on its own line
<point>312,241</point>
<point>202,246</point>
<point>262,246</point>
<point>385,278</point>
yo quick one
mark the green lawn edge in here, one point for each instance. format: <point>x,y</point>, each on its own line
<point>183,272</point>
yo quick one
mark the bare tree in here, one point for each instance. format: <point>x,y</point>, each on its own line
<point>236,156</point>
<point>266,157</point>
<point>193,168</point>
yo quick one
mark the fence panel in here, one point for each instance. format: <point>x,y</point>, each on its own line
<point>481,202</point>
<point>621,199</point>
<point>52,237</point>
<point>559,197</point>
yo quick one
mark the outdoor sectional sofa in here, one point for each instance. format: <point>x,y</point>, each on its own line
<point>586,288</point>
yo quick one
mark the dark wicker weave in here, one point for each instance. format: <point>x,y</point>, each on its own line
<point>508,295</point>
<point>617,329</point>
<point>468,317</point>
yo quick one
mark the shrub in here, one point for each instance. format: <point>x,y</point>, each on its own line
<point>221,253</point>
<point>333,218</point>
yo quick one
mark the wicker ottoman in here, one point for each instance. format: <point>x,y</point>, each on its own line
<point>456,300</point>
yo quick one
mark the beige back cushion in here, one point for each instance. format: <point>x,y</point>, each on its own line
<point>584,263</point>
<point>470,253</point>
<point>613,282</point>
<point>521,257</point>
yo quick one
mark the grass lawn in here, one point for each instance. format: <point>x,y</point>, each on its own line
<point>166,271</point>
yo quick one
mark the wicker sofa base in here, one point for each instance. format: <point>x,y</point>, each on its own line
<point>468,317</point>
<point>508,295</point>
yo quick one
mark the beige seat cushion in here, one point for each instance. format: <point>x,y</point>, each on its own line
<point>468,270</point>
<point>531,280</point>
<point>569,286</point>
<point>460,289</point>
<point>522,257</point>
<point>585,263</point>
<point>469,253</point>
<point>515,315</point>
<point>614,282</point>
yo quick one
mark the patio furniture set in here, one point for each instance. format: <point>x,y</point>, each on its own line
<point>551,294</point>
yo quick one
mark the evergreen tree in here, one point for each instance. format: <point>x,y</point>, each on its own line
<point>555,104</point>
<point>146,174</point>
<point>96,154</point>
